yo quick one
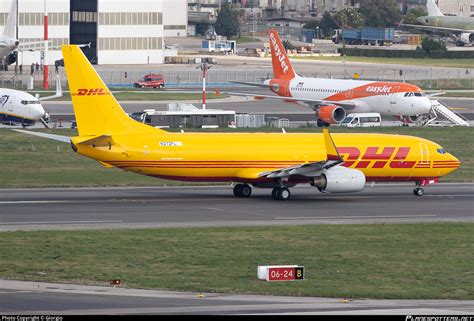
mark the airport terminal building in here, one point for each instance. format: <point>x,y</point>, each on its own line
<point>120,32</point>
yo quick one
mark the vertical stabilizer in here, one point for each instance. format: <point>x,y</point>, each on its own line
<point>10,26</point>
<point>433,9</point>
<point>281,64</point>
<point>96,110</point>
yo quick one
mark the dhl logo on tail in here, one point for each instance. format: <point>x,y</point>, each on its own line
<point>91,92</point>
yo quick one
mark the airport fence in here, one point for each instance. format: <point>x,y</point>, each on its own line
<point>432,78</point>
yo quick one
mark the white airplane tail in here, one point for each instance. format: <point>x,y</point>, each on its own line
<point>10,26</point>
<point>433,9</point>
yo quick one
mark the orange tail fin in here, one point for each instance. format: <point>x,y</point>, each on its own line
<point>281,64</point>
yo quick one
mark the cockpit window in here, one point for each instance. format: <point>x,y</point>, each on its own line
<point>441,150</point>
<point>29,102</point>
<point>416,94</point>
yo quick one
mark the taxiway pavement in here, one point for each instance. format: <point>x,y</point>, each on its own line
<point>38,298</point>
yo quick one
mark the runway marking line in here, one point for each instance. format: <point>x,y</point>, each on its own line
<point>62,222</point>
<point>348,217</point>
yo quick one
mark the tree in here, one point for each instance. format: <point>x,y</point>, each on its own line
<point>348,18</point>
<point>413,15</point>
<point>380,13</point>
<point>227,23</point>
<point>327,25</point>
<point>429,45</point>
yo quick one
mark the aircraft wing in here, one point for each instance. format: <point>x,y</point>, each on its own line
<point>59,138</point>
<point>310,169</point>
<point>432,28</point>
<point>346,104</point>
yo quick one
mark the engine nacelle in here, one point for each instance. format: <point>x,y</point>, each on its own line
<point>340,180</point>
<point>467,38</point>
<point>331,114</point>
<point>11,58</point>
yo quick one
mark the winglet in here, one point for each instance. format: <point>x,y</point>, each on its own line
<point>331,151</point>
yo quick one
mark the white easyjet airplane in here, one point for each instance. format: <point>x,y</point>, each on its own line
<point>333,98</point>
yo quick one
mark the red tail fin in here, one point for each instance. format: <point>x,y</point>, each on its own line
<point>281,64</point>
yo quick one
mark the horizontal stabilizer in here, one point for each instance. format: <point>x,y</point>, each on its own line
<point>59,138</point>
<point>98,141</point>
<point>254,84</point>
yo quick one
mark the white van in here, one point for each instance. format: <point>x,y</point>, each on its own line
<point>362,120</point>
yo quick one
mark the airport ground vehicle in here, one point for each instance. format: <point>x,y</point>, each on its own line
<point>339,163</point>
<point>185,116</point>
<point>150,81</point>
<point>362,120</point>
<point>365,36</point>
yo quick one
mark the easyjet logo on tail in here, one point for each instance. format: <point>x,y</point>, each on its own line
<point>91,92</point>
<point>279,55</point>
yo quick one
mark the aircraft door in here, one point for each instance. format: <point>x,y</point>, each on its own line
<point>349,93</point>
<point>393,95</point>
<point>424,153</point>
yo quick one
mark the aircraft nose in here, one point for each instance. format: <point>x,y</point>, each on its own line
<point>38,111</point>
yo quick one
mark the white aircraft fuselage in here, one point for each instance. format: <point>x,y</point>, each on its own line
<point>387,98</point>
<point>18,107</point>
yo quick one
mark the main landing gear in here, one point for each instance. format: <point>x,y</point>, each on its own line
<point>279,193</point>
<point>242,190</point>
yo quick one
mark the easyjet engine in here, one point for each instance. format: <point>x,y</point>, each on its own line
<point>340,180</point>
<point>331,114</point>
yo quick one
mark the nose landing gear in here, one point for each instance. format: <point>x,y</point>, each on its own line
<point>419,191</point>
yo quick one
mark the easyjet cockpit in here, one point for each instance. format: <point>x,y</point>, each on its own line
<point>414,94</point>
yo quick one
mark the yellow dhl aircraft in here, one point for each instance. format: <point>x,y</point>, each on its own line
<point>335,164</point>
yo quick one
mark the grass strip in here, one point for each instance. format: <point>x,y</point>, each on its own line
<point>451,63</point>
<point>395,261</point>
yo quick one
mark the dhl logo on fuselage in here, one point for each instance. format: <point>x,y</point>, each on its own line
<point>379,159</point>
<point>91,92</point>
<point>279,54</point>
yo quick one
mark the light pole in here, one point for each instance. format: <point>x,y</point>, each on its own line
<point>204,67</point>
<point>44,55</point>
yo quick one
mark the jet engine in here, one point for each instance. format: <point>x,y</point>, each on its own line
<point>11,58</point>
<point>340,180</point>
<point>466,38</point>
<point>331,114</point>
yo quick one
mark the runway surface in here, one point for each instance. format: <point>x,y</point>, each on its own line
<point>33,298</point>
<point>135,207</point>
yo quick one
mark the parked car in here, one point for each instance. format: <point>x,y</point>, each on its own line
<point>150,81</point>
